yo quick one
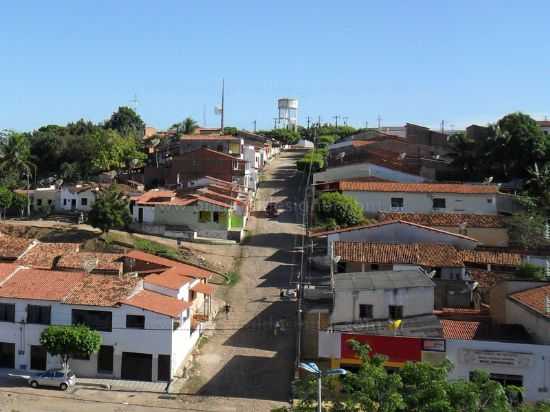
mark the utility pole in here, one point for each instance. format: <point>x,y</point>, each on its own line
<point>379,118</point>
<point>345,118</point>
<point>442,126</point>
<point>275,122</point>
<point>319,121</point>
<point>366,124</point>
<point>336,118</point>
<point>223,104</point>
<point>308,122</point>
<point>254,122</point>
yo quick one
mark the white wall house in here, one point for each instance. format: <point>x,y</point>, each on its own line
<point>77,198</point>
<point>362,297</point>
<point>422,197</point>
<point>365,169</point>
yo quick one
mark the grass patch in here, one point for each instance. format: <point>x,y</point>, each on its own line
<point>202,341</point>
<point>231,278</point>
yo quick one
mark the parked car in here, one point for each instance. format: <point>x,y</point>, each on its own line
<point>53,377</point>
<point>271,209</point>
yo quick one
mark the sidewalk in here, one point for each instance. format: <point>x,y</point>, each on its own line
<point>122,385</point>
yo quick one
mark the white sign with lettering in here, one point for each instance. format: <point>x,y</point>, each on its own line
<point>495,358</point>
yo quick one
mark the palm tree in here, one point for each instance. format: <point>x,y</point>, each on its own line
<point>15,153</point>
<point>188,126</point>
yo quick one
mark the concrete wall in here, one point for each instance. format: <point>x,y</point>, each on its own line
<point>498,296</point>
<point>415,301</point>
<point>372,202</point>
<point>537,325</point>
<point>365,169</point>
<point>487,236</point>
<point>531,362</point>
<point>67,196</point>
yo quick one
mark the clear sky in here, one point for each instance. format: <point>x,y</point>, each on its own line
<point>419,61</point>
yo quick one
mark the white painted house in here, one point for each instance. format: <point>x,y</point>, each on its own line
<point>363,170</point>
<point>147,329</point>
<point>78,197</point>
<point>422,197</point>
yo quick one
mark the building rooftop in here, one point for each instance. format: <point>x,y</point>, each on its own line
<point>446,219</point>
<point>423,254</point>
<point>77,261</point>
<point>536,299</point>
<point>12,247</point>
<point>381,280</point>
<point>45,255</point>
<point>155,302</point>
<point>490,257</point>
<point>184,268</point>
<point>458,188</point>
<point>483,330</point>
<point>102,290</point>
<point>40,284</point>
<point>6,269</point>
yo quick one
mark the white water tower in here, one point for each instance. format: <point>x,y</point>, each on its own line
<point>288,113</point>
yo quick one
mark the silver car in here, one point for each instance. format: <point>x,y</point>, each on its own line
<point>53,377</point>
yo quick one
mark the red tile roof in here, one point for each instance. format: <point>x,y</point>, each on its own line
<point>172,279</point>
<point>446,219</point>
<point>170,198</point>
<point>534,299</point>
<point>12,247</point>
<point>488,257</point>
<point>6,269</point>
<point>213,137</point>
<point>423,254</point>
<point>44,255</point>
<point>389,222</point>
<point>101,290</point>
<point>105,262</point>
<point>185,269</point>
<point>40,284</point>
<point>460,329</point>
<point>350,185</point>
<point>155,302</point>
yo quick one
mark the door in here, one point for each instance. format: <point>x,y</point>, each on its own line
<point>164,368</point>
<point>140,215</point>
<point>7,355</point>
<point>73,204</point>
<point>105,360</point>
<point>39,357</point>
<point>137,366</point>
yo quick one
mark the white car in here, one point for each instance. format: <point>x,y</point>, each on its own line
<point>53,377</point>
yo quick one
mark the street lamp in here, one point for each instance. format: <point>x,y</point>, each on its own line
<point>312,367</point>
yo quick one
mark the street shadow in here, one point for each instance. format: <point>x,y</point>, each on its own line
<point>272,240</point>
<point>278,277</point>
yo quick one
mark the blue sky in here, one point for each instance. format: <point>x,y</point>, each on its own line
<point>417,61</point>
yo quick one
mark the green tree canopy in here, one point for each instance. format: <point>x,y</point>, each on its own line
<point>527,229</point>
<point>110,211</point>
<point>15,155</point>
<point>68,341</point>
<point>284,136</point>
<point>6,200</point>
<point>127,122</point>
<point>343,209</point>
<point>188,126</point>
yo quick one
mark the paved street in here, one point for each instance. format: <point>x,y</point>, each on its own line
<point>244,366</point>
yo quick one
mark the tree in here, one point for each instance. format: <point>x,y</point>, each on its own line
<point>68,341</point>
<point>110,211</point>
<point>314,161</point>
<point>527,229</point>
<point>464,153</point>
<point>538,187</point>
<point>530,271</point>
<point>345,210</point>
<point>284,136</point>
<point>15,155</point>
<point>6,199</point>
<point>188,126</point>
<point>127,122</point>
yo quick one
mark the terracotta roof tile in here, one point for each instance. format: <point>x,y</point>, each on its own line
<point>488,257</point>
<point>155,302</point>
<point>44,255</point>
<point>101,290</point>
<point>183,268</point>
<point>460,329</point>
<point>214,137</point>
<point>40,284</point>
<point>423,254</point>
<point>446,219</point>
<point>534,299</point>
<point>350,185</point>
<point>12,247</point>
<point>203,288</point>
<point>389,222</point>
<point>485,279</point>
<point>6,269</point>
<point>103,262</point>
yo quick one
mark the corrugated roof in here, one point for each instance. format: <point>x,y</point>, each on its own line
<point>381,280</point>
<point>361,186</point>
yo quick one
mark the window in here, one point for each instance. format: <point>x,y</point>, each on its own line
<point>490,200</point>
<point>105,359</point>
<point>94,319</point>
<point>64,202</point>
<point>365,311</point>
<point>7,312</point>
<point>439,203</point>
<point>40,315</point>
<point>192,295</point>
<point>84,201</point>
<point>204,216</point>
<point>397,202</point>
<point>135,322</point>
<point>49,201</point>
<point>375,266</point>
<point>216,217</point>
<point>38,202</point>
<point>219,148</point>
<point>396,312</point>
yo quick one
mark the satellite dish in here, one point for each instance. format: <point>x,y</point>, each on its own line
<point>488,180</point>
<point>402,155</point>
<point>340,156</point>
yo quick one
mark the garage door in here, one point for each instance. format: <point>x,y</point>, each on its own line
<point>7,355</point>
<point>137,366</point>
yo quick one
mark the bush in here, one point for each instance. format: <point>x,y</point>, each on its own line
<point>530,271</point>
<point>328,139</point>
<point>314,158</point>
<point>343,209</point>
